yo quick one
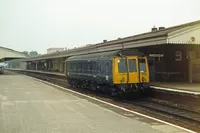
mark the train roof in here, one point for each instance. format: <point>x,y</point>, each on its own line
<point>110,54</point>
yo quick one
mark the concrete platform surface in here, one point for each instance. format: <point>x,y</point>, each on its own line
<point>30,106</point>
<point>178,86</point>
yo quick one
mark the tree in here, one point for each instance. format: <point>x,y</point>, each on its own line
<point>33,53</point>
<point>26,53</point>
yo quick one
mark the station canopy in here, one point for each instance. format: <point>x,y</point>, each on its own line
<point>188,33</point>
<point>7,54</point>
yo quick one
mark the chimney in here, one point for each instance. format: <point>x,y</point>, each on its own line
<point>154,29</point>
<point>104,41</point>
<point>161,28</point>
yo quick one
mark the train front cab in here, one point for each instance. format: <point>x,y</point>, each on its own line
<point>131,73</point>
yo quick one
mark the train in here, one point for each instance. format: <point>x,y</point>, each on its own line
<point>1,69</point>
<point>119,73</point>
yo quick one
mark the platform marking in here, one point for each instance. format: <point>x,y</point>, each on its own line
<point>116,106</point>
<point>176,90</point>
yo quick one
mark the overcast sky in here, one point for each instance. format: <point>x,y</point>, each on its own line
<point>41,24</point>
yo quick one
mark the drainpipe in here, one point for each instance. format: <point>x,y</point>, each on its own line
<point>36,65</point>
<point>189,70</point>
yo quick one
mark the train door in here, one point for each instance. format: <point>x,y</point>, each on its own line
<point>143,70</point>
<point>125,70</point>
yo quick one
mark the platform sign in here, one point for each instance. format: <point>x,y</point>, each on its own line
<point>156,55</point>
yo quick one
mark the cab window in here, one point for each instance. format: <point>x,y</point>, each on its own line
<point>122,66</point>
<point>132,65</point>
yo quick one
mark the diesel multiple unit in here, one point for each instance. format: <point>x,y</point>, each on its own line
<point>117,72</point>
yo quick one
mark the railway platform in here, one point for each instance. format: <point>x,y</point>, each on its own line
<point>182,87</point>
<point>30,105</point>
<point>38,71</point>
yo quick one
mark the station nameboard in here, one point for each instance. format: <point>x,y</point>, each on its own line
<point>156,55</point>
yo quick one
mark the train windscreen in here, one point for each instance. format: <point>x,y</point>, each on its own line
<point>132,65</point>
<point>122,68</point>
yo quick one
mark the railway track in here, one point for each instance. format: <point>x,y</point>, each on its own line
<point>180,116</point>
<point>174,112</point>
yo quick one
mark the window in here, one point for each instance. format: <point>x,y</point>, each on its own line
<point>195,68</point>
<point>90,66</point>
<point>142,64</point>
<point>98,67</point>
<point>68,66</point>
<point>132,65</point>
<point>122,66</point>
<point>94,66</point>
<point>108,67</point>
<point>78,67</point>
<point>85,66</point>
<point>71,65</point>
<point>178,55</point>
<point>191,54</point>
<point>74,66</point>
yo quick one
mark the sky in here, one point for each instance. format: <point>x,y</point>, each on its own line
<point>36,25</point>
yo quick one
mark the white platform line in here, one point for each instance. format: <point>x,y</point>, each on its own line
<point>176,90</point>
<point>116,106</point>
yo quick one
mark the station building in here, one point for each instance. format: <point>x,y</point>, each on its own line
<point>173,53</point>
<point>7,54</point>
<point>53,50</point>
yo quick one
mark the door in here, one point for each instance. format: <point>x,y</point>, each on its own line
<point>125,70</point>
<point>151,64</point>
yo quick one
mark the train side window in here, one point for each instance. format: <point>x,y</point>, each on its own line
<point>80,67</point>
<point>74,66</point>
<point>122,66</point>
<point>99,67</point>
<point>68,65</point>
<point>71,65</point>
<point>77,67</point>
<point>142,64</point>
<point>94,66</point>
<point>102,66</point>
<point>89,66</point>
<point>107,67</point>
<point>110,67</point>
<point>85,66</point>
